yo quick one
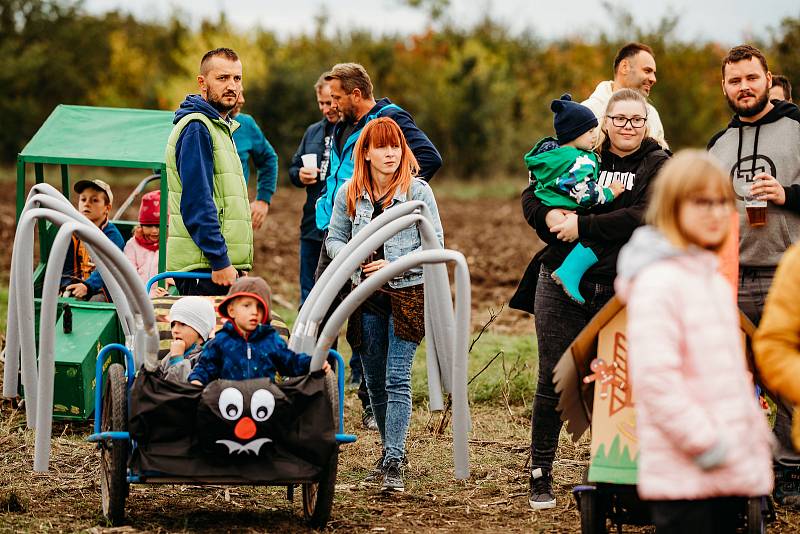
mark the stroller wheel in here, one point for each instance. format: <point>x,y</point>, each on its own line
<point>593,514</point>
<point>755,521</point>
<point>318,496</point>
<point>114,452</point>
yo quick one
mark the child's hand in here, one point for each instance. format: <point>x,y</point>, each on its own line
<point>617,188</point>
<point>78,290</point>
<point>555,217</point>
<point>196,383</point>
<point>326,367</point>
<point>162,292</point>
<point>177,347</point>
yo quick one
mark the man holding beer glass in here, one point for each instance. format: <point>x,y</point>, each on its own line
<point>761,147</point>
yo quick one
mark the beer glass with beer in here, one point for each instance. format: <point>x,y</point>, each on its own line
<point>755,208</point>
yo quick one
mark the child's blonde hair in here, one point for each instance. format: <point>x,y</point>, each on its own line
<point>690,171</point>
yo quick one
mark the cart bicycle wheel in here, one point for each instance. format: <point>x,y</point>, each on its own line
<point>318,496</point>
<point>114,452</point>
<point>593,514</point>
<point>755,516</point>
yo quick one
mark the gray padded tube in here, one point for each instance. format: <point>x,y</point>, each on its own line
<point>339,272</point>
<point>458,370</point>
<point>47,321</point>
<point>138,323</point>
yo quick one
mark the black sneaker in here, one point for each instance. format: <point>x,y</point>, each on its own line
<point>540,495</point>
<point>377,472</point>
<point>393,476</point>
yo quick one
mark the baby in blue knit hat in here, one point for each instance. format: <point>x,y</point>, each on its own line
<point>565,170</point>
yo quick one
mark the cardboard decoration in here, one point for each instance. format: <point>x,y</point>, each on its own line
<point>591,379</point>
<point>729,255</point>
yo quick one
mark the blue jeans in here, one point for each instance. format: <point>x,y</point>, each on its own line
<point>559,320</point>
<point>387,363</point>
<point>309,257</point>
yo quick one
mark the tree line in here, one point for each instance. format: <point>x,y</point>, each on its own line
<point>481,94</point>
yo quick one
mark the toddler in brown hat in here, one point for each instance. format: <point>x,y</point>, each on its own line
<point>248,346</point>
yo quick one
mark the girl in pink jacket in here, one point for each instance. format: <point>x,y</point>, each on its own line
<point>142,248</point>
<point>704,444</point>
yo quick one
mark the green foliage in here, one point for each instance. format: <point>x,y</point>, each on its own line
<point>786,50</point>
<point>481,94</point>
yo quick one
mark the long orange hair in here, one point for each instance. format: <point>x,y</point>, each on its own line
<point>379,133</point>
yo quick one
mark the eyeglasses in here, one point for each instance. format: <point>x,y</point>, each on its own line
<point>621,121</point>
<point>710,204</point>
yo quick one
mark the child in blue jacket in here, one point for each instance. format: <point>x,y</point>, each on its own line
<point>248,346</point>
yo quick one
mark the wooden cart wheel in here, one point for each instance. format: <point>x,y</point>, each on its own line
<point>318,496</point>
<point>755,516</point>
<point>593,514</point>
<point>114,453</point>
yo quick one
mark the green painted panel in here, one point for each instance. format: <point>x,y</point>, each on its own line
<point>615,467</point>
<point>76,354</point>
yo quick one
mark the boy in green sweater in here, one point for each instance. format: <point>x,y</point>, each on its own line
<point>565,172</point>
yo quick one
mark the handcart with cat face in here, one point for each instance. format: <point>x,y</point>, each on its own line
<point>250,432</point>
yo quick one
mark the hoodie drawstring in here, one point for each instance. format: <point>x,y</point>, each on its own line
<point>755,151</point>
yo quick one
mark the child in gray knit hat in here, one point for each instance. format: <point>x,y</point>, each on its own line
<point>192,320</point>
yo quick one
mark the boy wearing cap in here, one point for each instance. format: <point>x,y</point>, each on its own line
<point>565,172</point>
<point>248,346</point>
<point>192,320</point>
<point>79,276</point>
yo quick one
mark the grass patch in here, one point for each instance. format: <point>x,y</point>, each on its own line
<point>509,376</point>
<point>3,306</point>
<point>498,187</point>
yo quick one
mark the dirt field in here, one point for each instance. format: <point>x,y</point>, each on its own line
<point>498,244</point>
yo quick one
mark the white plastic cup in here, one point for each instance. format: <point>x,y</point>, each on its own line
<point>309,160</point>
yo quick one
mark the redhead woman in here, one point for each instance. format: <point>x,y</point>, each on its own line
<point>389,326</point>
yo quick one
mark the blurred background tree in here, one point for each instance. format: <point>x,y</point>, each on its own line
<point>482,93</point>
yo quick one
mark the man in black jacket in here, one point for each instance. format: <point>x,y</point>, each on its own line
<point>317,140</point>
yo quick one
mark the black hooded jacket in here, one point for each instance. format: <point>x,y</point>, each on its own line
<point>608,225</point>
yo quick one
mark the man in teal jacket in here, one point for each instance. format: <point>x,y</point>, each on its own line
<point>250,141</point>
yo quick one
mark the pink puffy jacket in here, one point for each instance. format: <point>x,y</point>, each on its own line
<point>693,391</point>
<point>145,261</point>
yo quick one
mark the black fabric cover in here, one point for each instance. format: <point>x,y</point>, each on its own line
<point>269,432</point>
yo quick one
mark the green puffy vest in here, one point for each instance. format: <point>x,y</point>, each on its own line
<point>230,198</point>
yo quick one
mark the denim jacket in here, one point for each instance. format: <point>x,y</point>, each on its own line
<point>343,228</point>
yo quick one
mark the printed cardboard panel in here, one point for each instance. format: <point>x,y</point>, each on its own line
<point>614,450</point>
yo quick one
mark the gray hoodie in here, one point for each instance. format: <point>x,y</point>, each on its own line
<point>770,145</point>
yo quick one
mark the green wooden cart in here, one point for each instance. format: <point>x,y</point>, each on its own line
<point>94,137</point>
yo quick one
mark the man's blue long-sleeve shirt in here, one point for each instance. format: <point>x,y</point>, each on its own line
<point>251,142</point>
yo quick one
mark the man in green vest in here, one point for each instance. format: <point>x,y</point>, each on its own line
<point>210,227</point>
